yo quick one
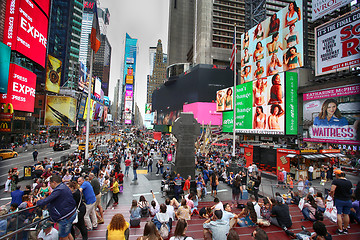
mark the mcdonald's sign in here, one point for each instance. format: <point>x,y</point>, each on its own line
<point>5,126</point>
<point>6,111</point>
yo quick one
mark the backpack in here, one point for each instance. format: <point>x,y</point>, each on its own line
<point>164,230</point>
<point>319,215</point>
<point>144,212</point>
<point>250,185</point>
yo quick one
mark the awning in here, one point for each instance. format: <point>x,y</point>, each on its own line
<point>313,156</point>
<point>335,155</point>
<point>291,155</point>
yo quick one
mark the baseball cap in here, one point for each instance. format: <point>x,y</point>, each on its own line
<point>46,225</point>
<point>337,171</point>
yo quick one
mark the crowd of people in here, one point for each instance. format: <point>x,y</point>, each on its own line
<point>70,193</point>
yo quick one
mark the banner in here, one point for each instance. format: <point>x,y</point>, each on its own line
<point>227,121</point>
<point>332,115</point>
<point>60,111</point>
<point>338,44</point>
<point>291,108</point>
<point>148,107</point>
<point>53,74</point>
<point>82,105</point>
<point>224,99</point>
<point>26,29</point>
<point>21,89</point>
<point>5,53</point>
<point>274,45</point>
<point>321,8</point>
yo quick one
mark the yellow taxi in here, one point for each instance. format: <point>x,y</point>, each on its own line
<point>7,153</point>
<point>82,146</point>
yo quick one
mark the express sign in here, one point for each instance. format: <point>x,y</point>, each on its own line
<point>21,89</point>
<point>26,29</point>
<point>44,5</point>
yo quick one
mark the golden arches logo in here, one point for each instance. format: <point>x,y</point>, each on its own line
<point>7,108</point>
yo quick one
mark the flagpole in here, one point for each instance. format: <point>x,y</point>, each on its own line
<point>234,95</point>
<point>88,111</point>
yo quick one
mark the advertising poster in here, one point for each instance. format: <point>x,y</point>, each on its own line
<point>21,89</point>
<point>224,99</point>
<point>26,29</point>
<point>83,80</point>
<point>274,45</point>
<point>260,106</point>
<point>44,5</point>
<point>321,8</point>
<point>127,117</point>
<point>5,52</point>
<point>82,105</point>
<point>148,107</point>
<point>53,74</point>
<point>60,111</point>
<point>227,121</point>
<point>291,108</point>
<point>92,102</point>
<point>338,44</point>
<point>332,115</point>
<point>168,118</point>
<point>97,91</point>
<point>105,115</point>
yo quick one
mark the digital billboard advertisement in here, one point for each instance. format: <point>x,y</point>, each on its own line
<point>81,110</point>
<point>332,115</point>
<point>21,89</point>
<point>263,106</point>
<point>338,44</point>
<point>224,100</point>
<point>227,121</point>
<point>5,53</point>
<point>26,29</point>
<point>60,111</point>
<point>97,91</point>
<point>44,5</point>
<point>274,45</point>
<point>83,78</point>
<point>53,74</point>
<point>148,107</point>
<point>321,8</point>
<point>128,103</point>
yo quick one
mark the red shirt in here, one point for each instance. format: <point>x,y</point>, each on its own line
<point>280,177</point>
<point>127,162</point>
<point>186,185</point>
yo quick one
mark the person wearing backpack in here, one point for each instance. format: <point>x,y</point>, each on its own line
<point>180,230</point>
<point>162,222</point>
<point>144,206</point>
<point>150,163</point>
<point>135,167</point>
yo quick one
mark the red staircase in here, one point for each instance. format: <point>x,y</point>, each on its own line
<point>195,228</point>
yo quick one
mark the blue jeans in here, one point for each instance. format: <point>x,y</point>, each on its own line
<point>149,168</point>
<point>307,215</point>
<point>162,170</point>
<point>65,225</point>
<point>127,170</point>
<point>135,174</point>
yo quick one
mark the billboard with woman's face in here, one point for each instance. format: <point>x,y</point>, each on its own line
<point>274,45</point>
<point>333,115</point>
<point>224,100</point>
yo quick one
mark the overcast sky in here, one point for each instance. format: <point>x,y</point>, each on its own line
<point>146,20</point>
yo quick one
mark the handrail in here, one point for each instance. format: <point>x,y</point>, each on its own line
<point>23,228</point>
<point>18,212</point>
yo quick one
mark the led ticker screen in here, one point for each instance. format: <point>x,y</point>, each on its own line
<point>26,29</point>
<point>274,45</point>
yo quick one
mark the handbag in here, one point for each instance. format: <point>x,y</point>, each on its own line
<point>330,210</point>
<point>301,204</point>
<point>77,210</point>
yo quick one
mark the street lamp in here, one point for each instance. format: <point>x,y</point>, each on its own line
<point>40,121</point>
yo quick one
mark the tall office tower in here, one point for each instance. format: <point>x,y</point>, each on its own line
<point>64,37</point>
<point>152,53</point>
<point>115,103</point>
<point>104,18</point>
<point>88,16</point>
<point>128,80</point>
<point>181,30</point>
<point>159,72</point>
<point>209,38</point>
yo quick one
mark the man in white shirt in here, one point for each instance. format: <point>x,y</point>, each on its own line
<point>311,171</point>
<point>228,216</point>
<point>48,232</point>
<point>256,206</point>
<point>250,170</point>
<point>218,205</point>
<point>170,209</point>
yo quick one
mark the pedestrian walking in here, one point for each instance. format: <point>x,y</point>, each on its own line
<point>149,164</point>
<point>35,155</point>
<point>135,167</point>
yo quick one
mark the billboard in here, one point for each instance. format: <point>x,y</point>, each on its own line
<point>331,115</point>
<point>262,107</point>
<point>5,53</point>
<point>321,8</point>
<point>53,74</point>
<point>44,5</point>
<point>227,121</point>
<point>204,112</point>
<point>224,99</point>
<point>97,91</point>
<point>82,105</point>
<point>60,111</point>
<point>26,29</point>
<point>338,44</point>
<point>83,78</point>
<point>274,45</point>
<point>21,89</point>
<point>148,107</point>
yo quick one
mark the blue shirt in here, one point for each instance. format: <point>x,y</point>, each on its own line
<point>88,193</point>
<point>16,197</point>
<point>334,121</point>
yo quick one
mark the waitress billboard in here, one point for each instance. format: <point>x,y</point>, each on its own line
<point>333,115</point>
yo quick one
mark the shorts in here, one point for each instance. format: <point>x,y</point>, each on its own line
<point>98,200</point>
<point>214,188</point>
<point>343,207</point>
<point>65,225</point>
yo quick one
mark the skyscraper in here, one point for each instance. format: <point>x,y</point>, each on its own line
<point>158,75</point>
<point>64,37</point>
<point>128,80</point>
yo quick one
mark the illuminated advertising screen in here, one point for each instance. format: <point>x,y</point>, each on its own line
<point>227,121</point>
<point>127,117</point>
<point>26,29</point>
<point>81,110</point>
<point>263,106</point>
<point>274,45</point>
<point>224,99</point>
<point>129,79</point>
<point>21,89</point>
<point>129,87</point>
<point>83,78</point>
<point>97,91</point>
<point>60,111</point>
<point>5,52</point>
<point>331,115</point>
<point>128,95</point>
<point>44,5</point>
<point>148,107</point>
<point>338,44</point>
<point>53,74</point>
